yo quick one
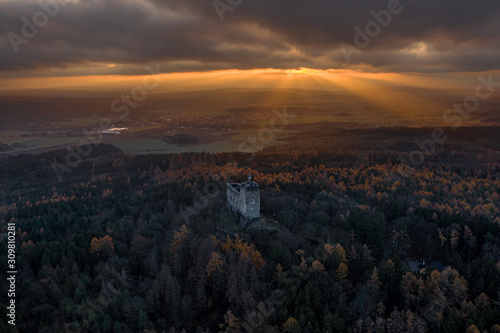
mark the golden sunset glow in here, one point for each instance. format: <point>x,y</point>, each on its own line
<point>306,78</point>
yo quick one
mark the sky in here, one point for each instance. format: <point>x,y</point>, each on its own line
<point>74,38</point>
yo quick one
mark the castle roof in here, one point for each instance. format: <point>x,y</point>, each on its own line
<point>250,184</point>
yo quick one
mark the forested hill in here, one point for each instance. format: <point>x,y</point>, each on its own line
<point>145,244</point>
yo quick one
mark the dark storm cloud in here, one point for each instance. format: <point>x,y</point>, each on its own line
<point>186,35</point>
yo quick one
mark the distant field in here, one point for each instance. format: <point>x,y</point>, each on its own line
<point>79,122</point>
<point>12,136</point>
<point>149,140</point>
<point>44,143</point>
<point>223,119</point>
<point>209,143</point>
<point>247,134</point>
<point>142,129</point>
<point>160,147</point>
<point>186,112</point>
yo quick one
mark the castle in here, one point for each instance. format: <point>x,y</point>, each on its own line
<point>244,198</point>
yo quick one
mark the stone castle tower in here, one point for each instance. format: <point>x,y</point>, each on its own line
<point>244,198</point>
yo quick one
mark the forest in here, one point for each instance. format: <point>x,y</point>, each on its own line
<point>145,243</point>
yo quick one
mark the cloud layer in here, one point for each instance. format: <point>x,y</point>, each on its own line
<point>122,36</point>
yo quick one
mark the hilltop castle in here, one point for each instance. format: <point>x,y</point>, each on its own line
<point>244,198</point>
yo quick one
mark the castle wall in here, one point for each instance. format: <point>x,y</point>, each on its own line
<point>251,202</point>
<point>233,197</point>
<point>244,198</point>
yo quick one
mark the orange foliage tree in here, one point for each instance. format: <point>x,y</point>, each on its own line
<point>245,250</point>
<point>102,246</point>
<point>180,237</point>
